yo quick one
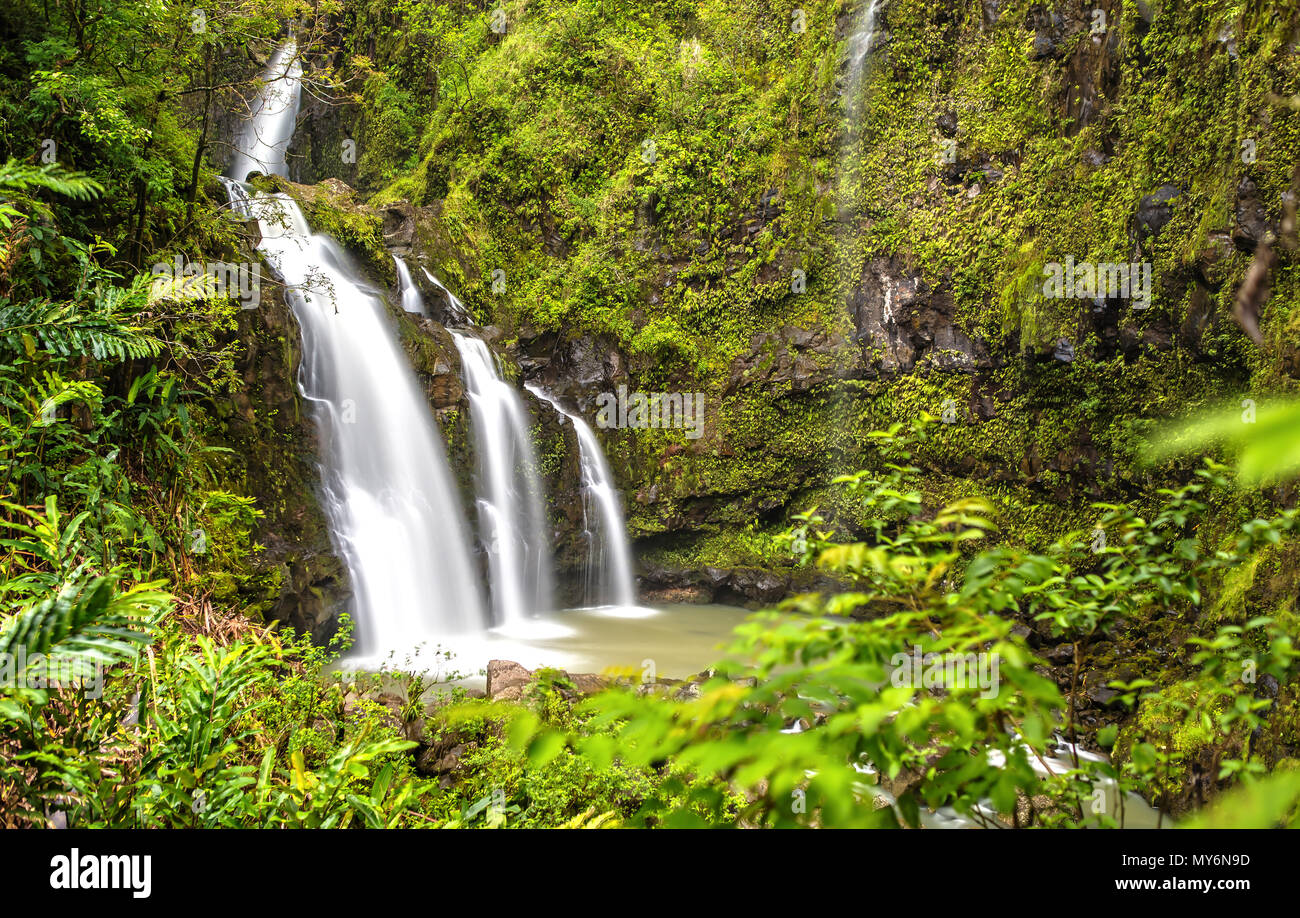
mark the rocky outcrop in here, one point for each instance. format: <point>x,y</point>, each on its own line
<point>575,369</point>
<point>508,681</point>
<point>1252,223</point>
<point>751,587</point>
<point>325,144</point>
<point>436,362</point>
<point>398,226</point>
<point>792,360</point>
<point>1154,212</point>
<point>902,320</point>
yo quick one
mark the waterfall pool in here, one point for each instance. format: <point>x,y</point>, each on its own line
<point>678,640</point>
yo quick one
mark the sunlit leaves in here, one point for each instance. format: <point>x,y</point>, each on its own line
<point>1265,438</point>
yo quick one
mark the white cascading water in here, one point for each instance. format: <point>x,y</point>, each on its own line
<point>512,521</point>
<point>388,490</point>
<point>861,42</point>
<point>412,301</point>
<point>263,144</point>
<point>609,557</point>
<point>459,311</point>
<point>511,496</point>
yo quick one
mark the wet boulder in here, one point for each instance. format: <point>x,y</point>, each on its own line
<point>506,680</point>
<point>398,225</point>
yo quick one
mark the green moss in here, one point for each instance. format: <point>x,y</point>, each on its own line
<point>358,231</point>
<point>533,162</point>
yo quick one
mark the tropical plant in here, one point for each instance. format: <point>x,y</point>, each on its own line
<point>817,717</point>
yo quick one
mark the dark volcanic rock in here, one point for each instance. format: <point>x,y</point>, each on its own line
<point>398,225</point>
<point>1253,225</point>
<point>741,586</point>
<point>1049,33</point>
<point>1155,211</point>
<point>790,360</point>
<point>901,320</point>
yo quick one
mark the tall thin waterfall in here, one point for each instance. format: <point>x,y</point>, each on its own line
<point>264,140</point>
<point>609,557</point>
<point>412,301</point>
<point>861,42</point>
<point>388,491</point>
<point>512,521</point>
<point>459,311</point>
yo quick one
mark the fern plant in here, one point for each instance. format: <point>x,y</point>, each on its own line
<point>19,180</point>
<point>103,330</point>
<point>198,716</point>
<point>89,620</point>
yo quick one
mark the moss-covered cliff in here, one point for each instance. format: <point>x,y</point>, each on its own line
<point>734,199</point>
<point>712,197</point>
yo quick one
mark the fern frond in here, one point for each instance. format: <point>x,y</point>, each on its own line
<point>17,177</point>
<point>89,620</point>
<point>70,330</point>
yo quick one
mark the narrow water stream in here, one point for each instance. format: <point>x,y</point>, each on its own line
<point>609,557</point>
<point>511,514</point>
<point>410,294</point>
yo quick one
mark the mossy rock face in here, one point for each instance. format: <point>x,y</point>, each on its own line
<point>820,267</point>
<point>909,278</point>
<point>823,254</point>
<point>765,216</point>
<point>325,143</point>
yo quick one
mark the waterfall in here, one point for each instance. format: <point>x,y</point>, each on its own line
<point>387,489</point>
<point>263,143</point>
<point>862,39</point>
<point>609,557</point>
<point>412,301</point>
<point>861,42</point>
<point>510,502</point>
<point>512,522</point>
<point>458,310</point>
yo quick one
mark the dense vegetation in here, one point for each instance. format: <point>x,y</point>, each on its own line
<point>652,176</point>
